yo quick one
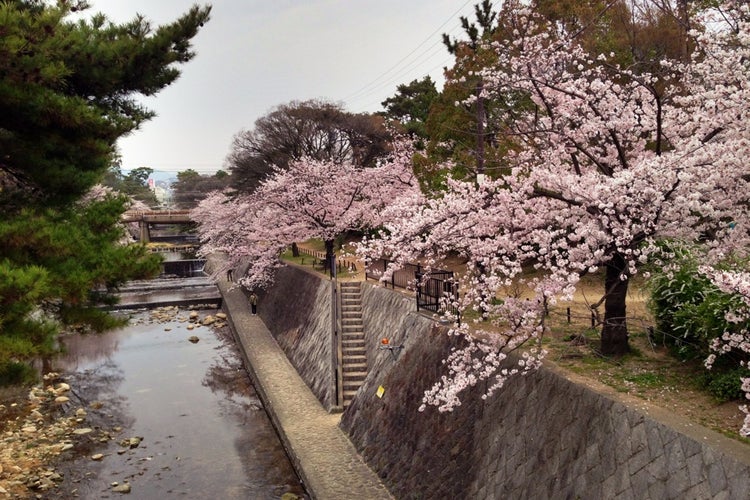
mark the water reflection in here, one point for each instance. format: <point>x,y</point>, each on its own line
<point>204,431</point>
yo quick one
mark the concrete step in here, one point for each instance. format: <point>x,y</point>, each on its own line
<point>358,342</point>
<point>352,335</point>
<point>352,331</point>
<point>353,386</point>
<point>354,367</point>
<point>355,376</point>
<point>354,354</point>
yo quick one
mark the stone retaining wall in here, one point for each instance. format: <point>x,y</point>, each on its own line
<point>297,311</point>
<point>542,436</point>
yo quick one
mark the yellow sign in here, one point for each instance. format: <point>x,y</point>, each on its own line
<point>381,390</point>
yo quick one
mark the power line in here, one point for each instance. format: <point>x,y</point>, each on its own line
<point>375,82</point>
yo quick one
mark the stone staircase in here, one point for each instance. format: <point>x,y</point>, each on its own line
<point>354,355</point>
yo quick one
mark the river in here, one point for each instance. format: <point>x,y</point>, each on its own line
<point>171,415</point>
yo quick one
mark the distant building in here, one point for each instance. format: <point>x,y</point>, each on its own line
<point>162,191</point>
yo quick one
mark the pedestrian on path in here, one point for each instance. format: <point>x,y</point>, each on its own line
<point>230,274</point>
<point>253,303</point>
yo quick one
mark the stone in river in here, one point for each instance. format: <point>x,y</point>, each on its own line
<point>122,488</point>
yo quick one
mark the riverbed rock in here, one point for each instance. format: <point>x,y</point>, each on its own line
<point>221,315</point>
<point>62,399</point>
<point>208,320</point>
<point>193,339</point>
<point>97,456</point>
<point>132,442</point>
<point>122,488</point>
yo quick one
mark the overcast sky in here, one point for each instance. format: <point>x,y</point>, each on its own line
<point>256,54</point>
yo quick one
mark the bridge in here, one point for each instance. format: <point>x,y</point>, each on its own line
<point>146,218</point>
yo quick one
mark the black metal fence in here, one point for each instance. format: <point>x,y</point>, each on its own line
<point>431,292</point>
<point>436,291</point>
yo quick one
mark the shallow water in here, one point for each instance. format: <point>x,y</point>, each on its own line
<point>204,431</point>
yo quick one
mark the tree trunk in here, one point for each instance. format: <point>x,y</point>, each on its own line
<point>615,329</point>
<point>295,250</point>
<point>330,256</point>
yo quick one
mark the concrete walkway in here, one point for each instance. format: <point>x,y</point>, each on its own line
<point>322,454</point>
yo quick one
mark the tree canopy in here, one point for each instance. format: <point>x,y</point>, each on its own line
<point>411,105</point>
<point>191,187</point>
<point>315,129</point>
<point>68,91</point>
<point>310,198</point>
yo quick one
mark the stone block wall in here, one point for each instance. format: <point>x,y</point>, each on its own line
<point>297,311</point>
<point>541,436</point>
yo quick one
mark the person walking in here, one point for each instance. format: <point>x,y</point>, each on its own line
<point>253,303</point>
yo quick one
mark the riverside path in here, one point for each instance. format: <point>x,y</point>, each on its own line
<point>325,459</point>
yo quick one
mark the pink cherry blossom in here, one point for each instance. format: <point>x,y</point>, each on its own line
<point>309,199</point>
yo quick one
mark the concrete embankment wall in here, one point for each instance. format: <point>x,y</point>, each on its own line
<point>541,436</point>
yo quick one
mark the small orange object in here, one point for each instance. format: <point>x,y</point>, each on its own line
<point>384,341</point>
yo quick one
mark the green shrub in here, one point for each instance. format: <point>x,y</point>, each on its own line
<point>16,373</point>
<point>725,385</point>
<point>689,310</point>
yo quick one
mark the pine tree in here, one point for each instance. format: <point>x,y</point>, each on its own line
<point>68,91</point>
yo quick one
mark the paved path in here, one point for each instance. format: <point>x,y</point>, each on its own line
<point>325,459</point>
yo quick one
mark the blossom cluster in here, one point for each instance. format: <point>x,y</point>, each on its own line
<point>308,199</point>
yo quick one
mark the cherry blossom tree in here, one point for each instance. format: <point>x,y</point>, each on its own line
<point>309,199</point>
<point>609,161</point>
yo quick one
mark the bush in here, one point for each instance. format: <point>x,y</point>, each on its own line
<point>16,373</point>
<point>725,385</point>
<point>689,310</point>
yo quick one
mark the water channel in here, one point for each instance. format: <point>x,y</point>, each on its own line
<point>172,411</point>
